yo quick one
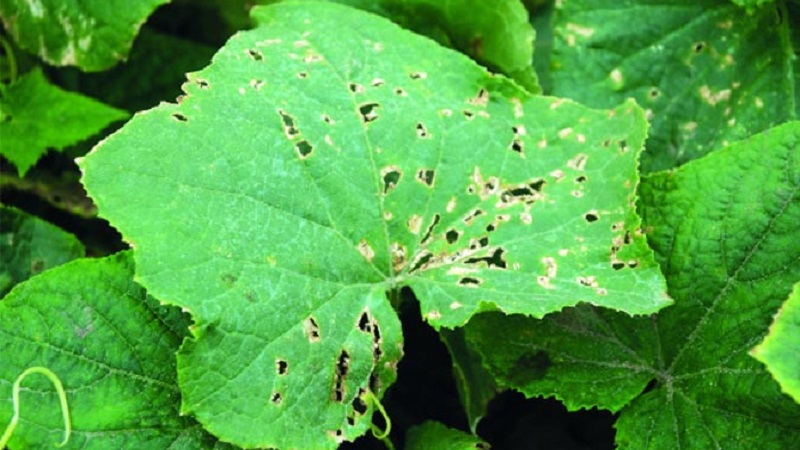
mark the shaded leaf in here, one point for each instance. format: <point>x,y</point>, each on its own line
<point>29,245</point>
<point>93,35</point>
<point>308,179</point>
<point>730,259</point>
<point>36,116</point>
<point>435,436</point>
<point>707,72</point>
<point>780,349</point>
<point>113,349</point>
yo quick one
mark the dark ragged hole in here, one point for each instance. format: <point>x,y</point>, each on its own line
<point>429,232</point>
<point>580,179</point>
<point>654,93</point>
<point>469,115</point>
<point>421,261</point>
<point>452,236</point>
<point>288,124</point>
<point>623,145</point>
<point>480,243</point>
<point>469,281</point>
<point>591,217</point>
<point>496,260</point>
<point>418,75</point>
<point>426,176</point>
<point>400,91</point>
<point>391,176</point>
<point>627,238</point>
<point>491,227</point>
<point>421,130</point>
<point>302,75</point>
<point>203,84</point>
<point>355,88</point>
<point>633,264</point>
<point>369,112</point>
<point>311,329</point>
<point>255,55</point>
<point>472,215</point>
<point>180,117</point>
<point>340,375</point>
<point>517,145</point>
<point>282,366</point>
<point>364,323</point>
<point>359,405</point>
<point>699,46</point>
<point>304,149</point>
<point>618,265</point>
<point>276,398</point>
<point>351,421</point>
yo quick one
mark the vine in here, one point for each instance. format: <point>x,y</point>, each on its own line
<point>62,396</point>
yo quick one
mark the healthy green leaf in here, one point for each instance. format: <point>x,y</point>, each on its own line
<point>707,72</point>
<point>780,350</point>
<point>29,245</point>
<point>724,228</point>
<point>113,349</point>
<point>435,436</point>
<point>36,116</point>
<point>93,35</point>
<point>302,181</point>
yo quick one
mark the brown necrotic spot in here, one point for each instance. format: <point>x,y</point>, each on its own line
<point>302,75</point>
<point>254,54</point>
<point>180,117</point>
<point>470,282</point>
<point>426,176</point>
<point>469,115</point>
<point>281,366</point>
<point>481,99</point>
<point>368,112</point>
<point>698,46</point>
<point>340,376</point>
<point>418,75</point>
<point>311,330</point>
<point>391,178</point>
<point>289,127</point>
<point>400,91</point>
<point>304,149</point>
<point>202,84</point>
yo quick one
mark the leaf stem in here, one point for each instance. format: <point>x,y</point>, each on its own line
<point>62,396</point>
<point>12,61</point>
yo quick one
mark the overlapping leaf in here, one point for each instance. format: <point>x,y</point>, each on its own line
<point>725,231</point>
<point>707,72</point>
<point>36,116</point>
<point>303,180</point>
<point>93,35</point>
<point>29,245</point>
<point>113,349</point>
<point>780,350</point>
<point>435,436</point>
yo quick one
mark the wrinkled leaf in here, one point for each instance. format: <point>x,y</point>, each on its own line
<point>93,34</point>
<point>730,259</point>
<point>36,116</point>
<point>113,349</point>
<point>302,181</point>
<point>780,350</point>
<point>435,436</point>
<point>29,245</point>
<point>707,72</point>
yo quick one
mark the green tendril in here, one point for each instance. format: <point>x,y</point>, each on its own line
<point>62,396</point>
<point>381,435</point>
<point>12,61</point>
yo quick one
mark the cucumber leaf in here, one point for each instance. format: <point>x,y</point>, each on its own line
<point>29,245</point>
<point>780,350</point>
<point>682,378</point>
<point>302,181</point>
<point>707,72</point>
<point>91,34</point>
<point>36,116</point>
<point>113,349</point>
<point>435,436</point>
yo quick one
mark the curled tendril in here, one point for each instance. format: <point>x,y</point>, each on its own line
<point>12,61</point>
<point>382,435</point>
<point>62,396</point>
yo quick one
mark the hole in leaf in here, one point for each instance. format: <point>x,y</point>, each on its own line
<point>517,145</point>
<point>400,91</point>
<point>289,127</point>
<point>302,75</point>
<point>491,227</point>
<point>496,260</point>
<point>578,162</point>
<point>276,398</point>
<point>469,282</point>
<point>633,264</point>
<point>281,366</point>
<point>180,117</point>
<point>654,93</point>
<point>377,82</point>
<point>429,232</point>
<point>421,261</point>
<point>327,119</point>
<point>627,239</point>
<point>699,46</point>
<point>255,55</point>
<point>425,176</point>
<point>355,88</point>
<point>481,99</point>
<point>617,265</point>
<point>359,405</point>
<point>202,84</point>
<point>340,375</point>
<point>469,115</point>
<point>311,329</point>
<point>418,75</point>
<point>369,112</point>
<point>452,236</point>
<point>580,179</point>
<point>422,132</point>
<point>391,177</point>
<point>591,216</point>
<point>304,149</point>
<point>364,323</point>
<point>472,215</point>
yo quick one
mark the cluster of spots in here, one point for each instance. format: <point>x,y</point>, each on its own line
<point>302,147</point>
<point>617,243</point>
<point>550,271</point>
<point>591,282</point>
<point>574,31</point>
<point>340,371</point>
<point>311,329</point>
<point>369,325</point>
<point>391,178</point>
<point>398,254</point>
<point>282,368</point>
<point>517,144</point>
<point>478,105</point>
<point>426,177</point>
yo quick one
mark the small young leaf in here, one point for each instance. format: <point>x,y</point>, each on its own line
<point>36,116</point>
<point>113,349</point>
<point>29,245</point>
<point>724,228</point>
<point>435,436</point>
<point>303,180</point>
<point>780,350</point>
<point>707,72</point>
<point>93,35</point>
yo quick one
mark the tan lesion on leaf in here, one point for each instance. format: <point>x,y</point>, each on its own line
<point>365,250</point>
<point>311,330</point>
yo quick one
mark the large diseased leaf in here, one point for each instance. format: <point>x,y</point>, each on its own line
<point>29,245</point>
<point>724,228</point>
<point>780,350</point>
<point>303,180</point>
<point>36,116</point>
<point>112,347</point>
<point>91,34</point>
<point>707,72</point>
